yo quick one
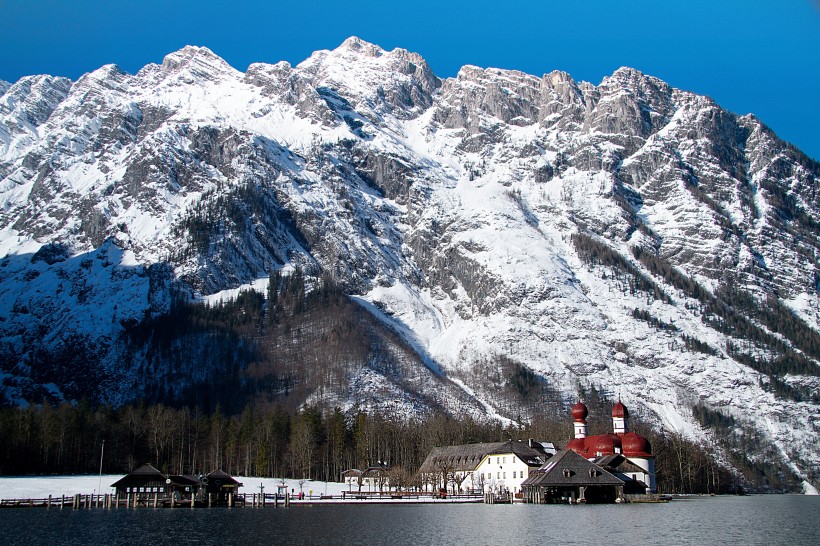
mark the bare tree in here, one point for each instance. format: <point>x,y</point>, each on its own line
<point>303,446</point>
<point>160,420</point>
<point>445,467</point>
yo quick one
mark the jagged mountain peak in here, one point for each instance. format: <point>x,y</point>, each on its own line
<point>372,79</point>
<point>189,65</point>
<point>191,54</point>
<point>359,46</point>
<point>27,104</point>
<point>559,77</point>
<point>109,76</point>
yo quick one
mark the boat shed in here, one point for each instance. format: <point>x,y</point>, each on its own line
<point>221,485</point>
<point>184,488</point>
<point>145,479</point>
<point>569,478</point>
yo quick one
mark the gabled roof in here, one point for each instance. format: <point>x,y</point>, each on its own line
<point>224,476</point>
<point>618,463</point>
<point>184,480</point>
<point>146,470</point>
<point>142,475</point>
<point>459,458</point>
<point>567,468</point>
<point>466,457</point>
<point>530,455</point>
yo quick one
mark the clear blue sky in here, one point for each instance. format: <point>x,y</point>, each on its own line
<point>760,56</point>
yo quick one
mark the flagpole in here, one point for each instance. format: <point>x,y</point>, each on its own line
<point>102,452</point>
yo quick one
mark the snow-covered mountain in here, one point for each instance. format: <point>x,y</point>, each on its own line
<point>628,236</point>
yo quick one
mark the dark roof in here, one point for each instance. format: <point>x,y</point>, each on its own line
<point>226,478</point>
<point>567,468</point>
<point>618,463</point>
<point>184,480</point>
<point>146,470</point>
<point>466,457</point>
<point>530,455</point>
<point>142,475</point>
<point>459,458</point>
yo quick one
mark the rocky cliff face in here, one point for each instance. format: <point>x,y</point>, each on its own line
<point>628,236</point>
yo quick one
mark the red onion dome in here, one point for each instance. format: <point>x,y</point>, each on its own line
<point>579,412</point>
<point>619,410</point>
<point>576,445</point>
<point>604,444</point>
<point>635,445</point>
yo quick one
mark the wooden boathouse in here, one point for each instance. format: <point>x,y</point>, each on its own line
<point>569,478</point>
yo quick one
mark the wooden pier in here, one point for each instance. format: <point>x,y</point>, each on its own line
<point>251,500</point>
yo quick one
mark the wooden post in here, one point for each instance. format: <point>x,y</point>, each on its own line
<point>49,502</point>
<point>62,502</point>
<point>117,501</point>
<point>230,500</point>
<point>193,496</point>
<point>210,500</point>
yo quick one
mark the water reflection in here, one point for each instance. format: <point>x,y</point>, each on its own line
<point>749,520</point>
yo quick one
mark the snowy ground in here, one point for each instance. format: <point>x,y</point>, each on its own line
<point>40,487</point>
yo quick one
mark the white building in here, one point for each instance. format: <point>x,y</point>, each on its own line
<point>479,468</point>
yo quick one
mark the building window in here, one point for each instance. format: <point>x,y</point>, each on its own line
<point>505,475</point>
<point>499,475</point>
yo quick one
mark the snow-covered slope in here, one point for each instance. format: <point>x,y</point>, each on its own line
<point>628,236</point>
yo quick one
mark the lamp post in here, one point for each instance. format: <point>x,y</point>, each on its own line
<point>102,452</point>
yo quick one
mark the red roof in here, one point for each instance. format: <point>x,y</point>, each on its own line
<point>619,410</point>
<point>576,445</point>
<point>635,445</point>
<point>579,412</point>
<point>591,446</point>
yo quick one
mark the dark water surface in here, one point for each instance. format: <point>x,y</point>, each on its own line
<point>770,519</point>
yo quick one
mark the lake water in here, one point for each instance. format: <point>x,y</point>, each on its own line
<point>770,519</point>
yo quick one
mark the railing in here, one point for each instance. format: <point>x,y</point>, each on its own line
<point>156,500</point>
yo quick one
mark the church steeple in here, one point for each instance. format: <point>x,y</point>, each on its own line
<point>619,419</point>
<point>579,417</point>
